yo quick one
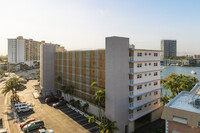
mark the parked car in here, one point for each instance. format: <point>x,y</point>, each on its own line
<point>3,130</point>
<point>51,99</point>
<point>2,79</point>
<point>21,105</point>
<point>24,109</point>
<point>33,125</point>
<point>45,131</point>
<point>26,122</point>
<point>59,104</point>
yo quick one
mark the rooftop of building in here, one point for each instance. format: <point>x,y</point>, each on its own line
<point>187,101</point>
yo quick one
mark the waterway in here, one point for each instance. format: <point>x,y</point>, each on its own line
<point>178,70</point>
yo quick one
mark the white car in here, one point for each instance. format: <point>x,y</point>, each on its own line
<point>24,109</point>
<point>3,130</point>
<point>21,105</point>
<point>45,131</point>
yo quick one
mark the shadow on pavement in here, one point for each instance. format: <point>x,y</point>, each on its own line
<point>82,120</point>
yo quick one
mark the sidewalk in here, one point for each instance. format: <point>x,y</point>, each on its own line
<point>10,122</point>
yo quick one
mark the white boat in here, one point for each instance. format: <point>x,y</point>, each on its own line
<point>164,67</point>
<point>193,72</point>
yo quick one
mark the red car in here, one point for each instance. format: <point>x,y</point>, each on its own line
<point>26,122</point>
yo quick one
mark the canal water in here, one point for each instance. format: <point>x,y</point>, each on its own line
<point>167,70</point>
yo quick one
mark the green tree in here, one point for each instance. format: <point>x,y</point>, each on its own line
<point>13,85</point>
<point>99,99</point>
<point>91,119</point>
<point>107,126</point>
<point>85,107</point>
<point>177,83</point>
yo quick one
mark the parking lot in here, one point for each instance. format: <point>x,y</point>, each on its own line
<point>62,120</point>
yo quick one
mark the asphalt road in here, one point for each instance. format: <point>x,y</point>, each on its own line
<point>53,118</point>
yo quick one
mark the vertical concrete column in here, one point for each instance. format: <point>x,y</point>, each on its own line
<point>131,127</point>
<point>117,79</point>
<point>80,80</point>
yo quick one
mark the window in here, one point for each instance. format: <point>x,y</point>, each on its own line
<point>145,105</point>
<point>155,83</point>
<point>145,85</point>
<point>145,95</point>
<point>156,92</point>
<point>139,65</point>
<point>155,73</point>
<point>149,64</point>
<point>149,74</point>
<point>155,54</point>
<point>198,124</point>
<point>145,64</point>
<point>155,103</point>
<point>138,109</point>
<point>149,84</point>
<point>139,87</point>
<point>139,54</point>
<point>150,94</point>
<point>149,53</point>
<point>145,53</point>
<point>149,104</point>
<point>139,76</point>
<point>139,98</point>
<point>155,64</point>
<point>145,74</point>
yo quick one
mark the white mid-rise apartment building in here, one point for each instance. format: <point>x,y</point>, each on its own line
<point>22,50</point>
<point>132,83</point>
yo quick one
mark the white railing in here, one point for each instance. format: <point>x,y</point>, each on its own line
<point>131,104</point>
<point>131,58</point>
<point>131,93</point>
<point>131,70</point>
<point>131,81</point>
<point>131,116</point>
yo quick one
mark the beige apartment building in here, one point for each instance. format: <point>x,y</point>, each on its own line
<point>21,50</point>
<point>182,114</point>
<point>130,77</point>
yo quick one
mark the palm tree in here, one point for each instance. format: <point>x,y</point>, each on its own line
<point>99,99</point>
<point>177,83</point>
<point>107,126</point>
<point>13,85</point>
<point>64,90</point>
<point>70,91</point>
<point>91,119</point>
<point>85,107</point>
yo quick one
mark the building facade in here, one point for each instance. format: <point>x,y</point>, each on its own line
<point>169,48</point>
<point>47,67</point>
<point>130,77</point>
<point>182,114</point>
<point>22,50</point>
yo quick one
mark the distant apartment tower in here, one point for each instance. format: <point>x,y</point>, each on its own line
<point>182,114</point>
<point>22,50</point>
<point>130,77</point>
<point>169,48</point>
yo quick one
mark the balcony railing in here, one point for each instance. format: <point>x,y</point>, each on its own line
<point>131,58</point>
<point>131,81</point>
<point>131,93</point>
<point>131,104</point>
<point>131,70</point>
<point>131,116</point>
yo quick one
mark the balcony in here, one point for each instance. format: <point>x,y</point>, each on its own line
<point>131,93</point>
<point>131,116</point>
<point>131,81</point>
<point>131,104</point>
<point>131,58</point>
<point>131,70</point>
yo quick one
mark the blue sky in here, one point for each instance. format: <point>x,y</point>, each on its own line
<point>84,24</point>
